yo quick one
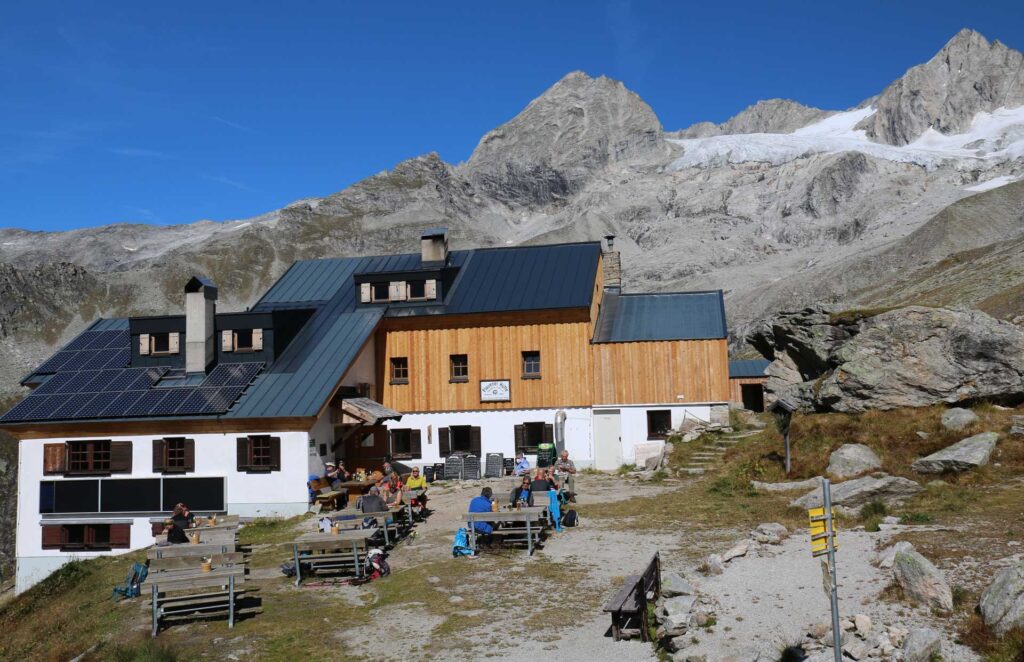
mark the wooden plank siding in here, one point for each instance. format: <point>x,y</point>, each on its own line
<point>661,371</point>
<point>494,352</point>
<point>735,384</point>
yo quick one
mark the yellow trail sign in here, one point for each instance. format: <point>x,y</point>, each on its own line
<point>819,531</point>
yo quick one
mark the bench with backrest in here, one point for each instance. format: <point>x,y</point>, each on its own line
<point>628,607</point>
<point>191,594</point>
<point>195,562</point>
<point>346,554</point>
<point>188,549</point>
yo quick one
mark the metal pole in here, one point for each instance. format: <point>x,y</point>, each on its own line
<point>837,648</point>
<point>787,451</point>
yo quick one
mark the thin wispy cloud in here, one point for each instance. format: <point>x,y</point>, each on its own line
<point>229,182</point>
<point>233,125</point>
<point>140,152</point>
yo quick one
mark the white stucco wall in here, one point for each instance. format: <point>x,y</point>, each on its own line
<point>278,493</point>
<point>633,419</point>
<point>497,431</point>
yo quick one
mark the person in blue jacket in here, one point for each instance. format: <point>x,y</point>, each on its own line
<point>482,504</point>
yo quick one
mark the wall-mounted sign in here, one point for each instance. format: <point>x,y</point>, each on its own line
<point>495,390</point>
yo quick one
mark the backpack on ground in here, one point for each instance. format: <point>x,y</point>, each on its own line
<point>376,565</point>
<point>570,518</point>
<point>132,583</point>
<point>460,547</point>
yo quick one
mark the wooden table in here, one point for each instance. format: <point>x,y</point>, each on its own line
<point>178,582</point>
<point>358,485</point>
<point>531,516</point>
<point>332,544</point>
<point>330,498</point>
<point>212,535</point>
<point>188,549</point>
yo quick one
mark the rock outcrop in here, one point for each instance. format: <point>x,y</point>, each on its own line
<point>851,460</point>
<point>907,357</point>
<point>921,581</point>
<point>958,418</point>
<point>922,645</point>
<point>964,455</point>
<point>859,491</point>
<point>1002,603</point>
<point>768,116</point>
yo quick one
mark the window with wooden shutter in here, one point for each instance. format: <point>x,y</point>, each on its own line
<point>91,457</point>
<point>156,528</point>
<point>173,343</point>
<point>174,455</point>
<point>257,340</point>
<point>430,289</point>
<point>416,444</point>
<point>190,454</point>
<point>549,433</point>
<point>243,453</point>
<point>529,436</point>
<point>227,341</point>
<point>52,536</point>
<point>54,458</point>
<point>520,438</point>
<point>474,441</point>
<point>159,455</point>
<point>444,442</point>
<point>121,457</point>
<point>416,290</point>
<point>120,536</point>
<point>259,453</point>
<point>144,344</point>
<point>396,291</point>
<point>365,292</point>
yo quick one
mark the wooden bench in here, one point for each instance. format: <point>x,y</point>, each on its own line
<point>628,607</point>
<point>188,549</point>
<point>184,594</point>
<point>194,562</point>
<point>326,552</point>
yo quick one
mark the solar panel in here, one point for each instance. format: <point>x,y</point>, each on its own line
<point>55,362</point>
<point>77,382</point>
<point>170,403</point>
<point>18,411</point>
<point>100,381</point>
<point>124,380</point>
<point>232,374</point>
<point>78,360</point>
<point>99,340</point>
<point>146,403</point>
<point>122,403</point>
<point>99,402</point>
<point>226,397</point>
<point>101,358</point>
<point>119,339</point>
<point>46,405</point>
<point>200,402</point>
<point>120,358</point>
<point>53,383</point>
<point>70,406</point>
<point>81,341</point>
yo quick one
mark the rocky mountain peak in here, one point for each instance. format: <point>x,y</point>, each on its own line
<point>968,75</point>
<point>766,116</point>
<point>575,128</point>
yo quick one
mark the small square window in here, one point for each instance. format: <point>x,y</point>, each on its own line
<point>88,456</point>
<point>243,340</point>
<point>531,365</point>
<point>417,289</point>
<point>659,423</point>
<point>161,343</point>
<point>381,291</point>
<point>399,370</point>
<point>175,449</point>
<point>260,449</point>
<point>459,367</point>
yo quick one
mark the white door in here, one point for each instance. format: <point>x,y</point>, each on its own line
<point>607,440</point>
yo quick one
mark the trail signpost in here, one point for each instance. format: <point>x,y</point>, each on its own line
<point>823,543</point>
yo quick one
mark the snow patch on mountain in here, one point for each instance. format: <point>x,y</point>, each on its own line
<point>992,138</point>
<point>995,182</point>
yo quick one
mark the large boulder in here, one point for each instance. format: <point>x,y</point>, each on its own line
<point>964,455</point>
<point>851,460</point>
<point>673,584</point>
<point>922,645</point>
<point>907,357</point>
<point>957,418</point>
<point>859,491</point>
<point>1002,603</point>
<point>921,581</point>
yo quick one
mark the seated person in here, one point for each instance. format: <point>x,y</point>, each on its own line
<point>175,534</point>
<point>371,502</point>
<point>542,480</point>
<point>417,483</point>
<point>523,493</point>
<point>313,486</point>
<point>566,470</point>
<point>482,504</point>
<point>393,497</point>
<point>181,510</point>
<point>522,466</point>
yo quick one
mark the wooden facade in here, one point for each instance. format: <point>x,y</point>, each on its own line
<point>736,385</point>
<point>662,372</point>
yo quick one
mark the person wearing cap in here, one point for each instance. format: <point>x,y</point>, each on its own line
<point>312,485</point>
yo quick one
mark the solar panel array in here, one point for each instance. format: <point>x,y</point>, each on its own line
<point>129,392</point>
<point>92,350</point>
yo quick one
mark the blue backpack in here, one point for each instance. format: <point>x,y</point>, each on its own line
<point>132,583</point>
<point>460,547</point>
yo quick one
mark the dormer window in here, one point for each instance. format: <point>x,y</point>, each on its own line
<point>381,291</point>
<point>159,344</point>
<point>398,290</point>
<point>242,340</point>
<point>417,290</point>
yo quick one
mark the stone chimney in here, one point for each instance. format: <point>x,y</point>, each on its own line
<point>434,247</point>
<point>612,267</point>
<point>200,310</point>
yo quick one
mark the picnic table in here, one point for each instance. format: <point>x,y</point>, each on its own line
<point>174,593</point>
<point>175,563</point>
<point>331,497</point>
<point>212,535</point>
<point>358,486</point>
<point>530,516</point>
<point>331,551</point>
<point>189,549</point>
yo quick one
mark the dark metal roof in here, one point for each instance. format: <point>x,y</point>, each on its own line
<point>674,316</point>
<point>748,368</point>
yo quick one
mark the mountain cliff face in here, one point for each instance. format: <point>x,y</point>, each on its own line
<point>781,205</point>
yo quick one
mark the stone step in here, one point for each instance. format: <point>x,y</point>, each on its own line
<point>693,471</point>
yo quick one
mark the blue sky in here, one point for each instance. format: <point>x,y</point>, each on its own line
<point>176,112</point>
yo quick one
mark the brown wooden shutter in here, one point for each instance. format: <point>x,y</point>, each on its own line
<point>257,340</point>
<point>121,456</point>
<point>549,434</point>
<point>120,536</point>
<point>227,341</point>
<point>143,344</point>
<point>365,292</point>
<point>52,536</point>
<point>520,437</point>
<point>275,453</point>
<point>391,442</point>
<point>190,455</point>
<point>444,442</point>
<point>159,455</point>
<point>157,528</point>
<point>55,458</point>
<point>173,344</point>
<point>474,441</point>
<point>430,289</point>
<point>415,443</point>
<point>243,453</point>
